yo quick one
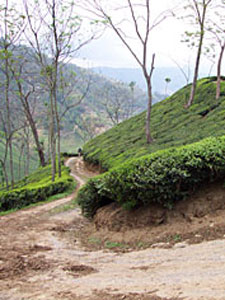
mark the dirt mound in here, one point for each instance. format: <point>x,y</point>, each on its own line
<point>207,201</point>
<point>18,265</point>
<point>107,296</point>
<point>201,217</point>
<point>130,296</point>
<point>79,270</point>
<point>115,218</point>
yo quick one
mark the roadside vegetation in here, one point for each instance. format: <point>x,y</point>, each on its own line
<point>35,188</point>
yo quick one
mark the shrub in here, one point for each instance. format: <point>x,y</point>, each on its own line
<point>164,177</point>
<point>35,188</point>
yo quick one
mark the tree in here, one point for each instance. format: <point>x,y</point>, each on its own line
<point>15,125</point>
<point>216,28</point>
<point>117,101</point>
<point>167,80</point>
<point>26,91</point>
<point>11,28</point>
<point>4,140</point>
<point>138,14</point>
<point>2,179</point>
<point>87,127</point>
<point>54,34</point>
<point>197,13</point>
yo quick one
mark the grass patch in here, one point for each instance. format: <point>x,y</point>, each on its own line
<point>94,241</point>
<point>65,207</point>
<point>111,245</point>
<point>177,238</point>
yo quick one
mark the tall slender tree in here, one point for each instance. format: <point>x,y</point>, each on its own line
<point>26,91</point>
<point>197,13</point>
<point>216,29</point>
<point>137,23</point>
<point>55,33</point>
<point>11,28</point>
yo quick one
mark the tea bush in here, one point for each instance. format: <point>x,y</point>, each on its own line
<point>35,188</point>
<point>163,177</point>
<point>171,125</point>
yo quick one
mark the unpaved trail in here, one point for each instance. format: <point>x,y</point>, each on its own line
<point>39,259</point>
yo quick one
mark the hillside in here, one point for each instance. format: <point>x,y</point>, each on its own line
<point>132,74</point>
<point>80,123</point>
<point>171,125</point>
<point>90,118</point>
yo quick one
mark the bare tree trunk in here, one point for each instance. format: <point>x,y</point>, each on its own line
<point>7,81</point>
<point>5,175</point>
<point>36,139</point>
<point>55,77</point>
<point>148,115</point>
<point>20,158</point>
<point>197,64</point>
<point>58,138</point>
<point>201,21</point>
<point>26,157</point>
<point>8,122</point>
<point>57,124</point>
<point>24,99</point>
<point>149,107</point>
<point>49,142</point>
<point>52,138</point>
<point>218,83</point>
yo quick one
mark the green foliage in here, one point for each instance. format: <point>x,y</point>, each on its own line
<point>171,125</point>
<point>111,245</point>
<point>33,162</point>
<point>163,177</point>
<point>35,188</point>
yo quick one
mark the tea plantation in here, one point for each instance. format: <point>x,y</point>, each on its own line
<point>171,125</point>
<point>170,168</point>
<point>35,188</point>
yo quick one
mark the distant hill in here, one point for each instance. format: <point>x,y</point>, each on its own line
<point>80,123</point>
<point>171,125</point>
<point>131,74</point>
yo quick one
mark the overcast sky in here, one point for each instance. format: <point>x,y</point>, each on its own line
<point>165,41</point>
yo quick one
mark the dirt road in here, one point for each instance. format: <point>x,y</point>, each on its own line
<point>40,258</point>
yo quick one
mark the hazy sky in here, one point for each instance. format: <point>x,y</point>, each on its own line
<point>165,41</point>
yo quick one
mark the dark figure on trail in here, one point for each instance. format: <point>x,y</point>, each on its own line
<point>79,152</point>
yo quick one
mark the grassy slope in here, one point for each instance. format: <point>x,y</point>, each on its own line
<point>171,125</point>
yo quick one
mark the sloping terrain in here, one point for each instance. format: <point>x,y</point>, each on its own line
<point>43,255</point>
<point>171,125</point>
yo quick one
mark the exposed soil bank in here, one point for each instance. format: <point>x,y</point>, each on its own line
<point>199,218</point>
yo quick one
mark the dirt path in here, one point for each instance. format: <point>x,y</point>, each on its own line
<point>40,258</point>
